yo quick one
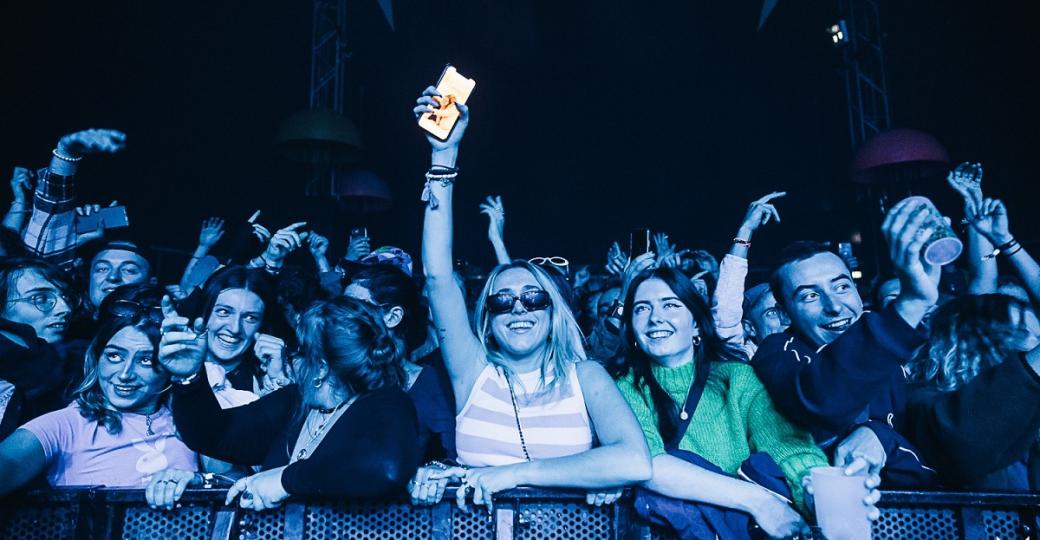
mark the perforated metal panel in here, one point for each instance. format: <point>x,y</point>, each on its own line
<point>476,525</point>
<point>359,521</point>
<point>51,522</point>
<point>187,523</point>
<point>266,525</point>
<point>569,521</point>
<point>917,524</point>
<point>1004,525</point>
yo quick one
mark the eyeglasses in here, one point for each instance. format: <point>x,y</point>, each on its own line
<point>45,300</point>
<point>559,263</point>
<point>129,309</point>
<point>536,300</point>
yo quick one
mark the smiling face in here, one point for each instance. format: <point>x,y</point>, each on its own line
<point>127,374</point>
<point>820,297</point>
<point>519,333</point>
<point>233,324</point>
<point>112,268</point>
<point>663,326</point>
<point>30,285</point>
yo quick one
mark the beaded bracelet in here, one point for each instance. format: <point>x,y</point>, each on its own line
<point>65,158</point>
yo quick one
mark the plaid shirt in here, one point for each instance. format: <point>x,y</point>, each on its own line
<point>51,232</point>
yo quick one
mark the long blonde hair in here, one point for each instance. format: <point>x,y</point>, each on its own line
<point>565,342</point>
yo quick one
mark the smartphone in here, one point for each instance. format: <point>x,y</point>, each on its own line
<point>638,242</point>
<point>113,217</point>
<point>359,232</point>
<point>453,88</point>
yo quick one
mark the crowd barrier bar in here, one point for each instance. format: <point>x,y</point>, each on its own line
<point>94,513</point>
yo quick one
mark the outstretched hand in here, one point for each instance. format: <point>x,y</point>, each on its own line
<point>990,218</point>
<point>496,213</point>
<point>182,348</point>
<point>21,184</point>
<point>668,255</point>
<point>211,233</point>
<point>91,141</point>
<point>616,260</point>
<point>284,242</point>
<point>759,213</point>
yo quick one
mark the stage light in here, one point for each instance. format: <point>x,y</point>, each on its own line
<point>839,33</point>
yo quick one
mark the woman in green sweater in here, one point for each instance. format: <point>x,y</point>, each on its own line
<point>668,336</point>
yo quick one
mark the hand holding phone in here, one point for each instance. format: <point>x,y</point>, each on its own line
<point>453,88</point>
<point>112,217</point>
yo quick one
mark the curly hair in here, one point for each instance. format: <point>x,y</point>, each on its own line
<point>348,335</point>
<point>968,335</point>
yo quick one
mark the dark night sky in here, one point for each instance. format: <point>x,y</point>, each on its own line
<point>590,118</point>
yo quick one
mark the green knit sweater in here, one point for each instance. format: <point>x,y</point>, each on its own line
<point>733,419</point>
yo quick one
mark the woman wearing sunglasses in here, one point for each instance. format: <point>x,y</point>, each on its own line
<point>119,431</point>
<point>528,406</point>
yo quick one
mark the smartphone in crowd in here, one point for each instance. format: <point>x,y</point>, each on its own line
<point>359,232</point>
<point>113,217</point>
<point>453,88</point>
<point>638,242</point>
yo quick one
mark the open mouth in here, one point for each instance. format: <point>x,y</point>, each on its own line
<point>659,334</point>
<point>837,326</point>
<point>228,341</point>
<point>520,327</point>
<point>123,390</point>
<point>57,326</point>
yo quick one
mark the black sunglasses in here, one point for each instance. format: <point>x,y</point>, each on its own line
<point>535,300</point>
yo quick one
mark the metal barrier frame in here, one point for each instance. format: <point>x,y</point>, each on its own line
<point>90,513</point>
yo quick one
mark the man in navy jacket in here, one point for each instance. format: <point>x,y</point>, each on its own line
<point>838,371</point>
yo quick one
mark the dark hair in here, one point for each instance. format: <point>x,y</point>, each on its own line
<point>794,252</point>
<point>238,277</point>
<point>711,349</point>
<point>13,267</point>
<point>146,295</point>
<point>349,335</point>
<point>390,285</point>
<point>298,288</point>
<point>91,399</point>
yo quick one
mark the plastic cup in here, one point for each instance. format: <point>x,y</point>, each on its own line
<point>840,511</point>
<point>943,247</point>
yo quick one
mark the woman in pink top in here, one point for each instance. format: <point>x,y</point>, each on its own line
<point>119,431</point>
<point>528,405</point>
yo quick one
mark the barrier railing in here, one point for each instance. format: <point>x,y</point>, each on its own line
<point>520,514</point>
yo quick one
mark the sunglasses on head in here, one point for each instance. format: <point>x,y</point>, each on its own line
<point>130,310</point>
<point>536,300</point>
<point>561,264</point>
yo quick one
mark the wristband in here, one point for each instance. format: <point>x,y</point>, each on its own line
<point>1012,251</point>
<point>1007,249</point>
<point>64,157</point>
<point>741,241</point>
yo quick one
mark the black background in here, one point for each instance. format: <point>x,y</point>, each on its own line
<point>589,118</point>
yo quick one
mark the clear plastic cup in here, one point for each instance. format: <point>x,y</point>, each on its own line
<point>943,247</point>
<point>840,511</point>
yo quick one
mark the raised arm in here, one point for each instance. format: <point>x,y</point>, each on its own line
<point>496,214</point>
<point>463,354</point>
<point>728,304</point>
<point>20,187</point>
<point>51,230</point>
<point>211,233</point>
<point>991,220</point>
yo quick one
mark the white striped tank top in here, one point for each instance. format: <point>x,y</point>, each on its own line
<point>554,420</point>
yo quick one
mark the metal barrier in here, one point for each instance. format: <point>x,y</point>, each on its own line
<point>520,514</point>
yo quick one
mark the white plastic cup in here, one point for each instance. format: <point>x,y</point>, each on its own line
<point>840,510</point>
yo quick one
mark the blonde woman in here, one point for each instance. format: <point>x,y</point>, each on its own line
<point>529,407</point>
